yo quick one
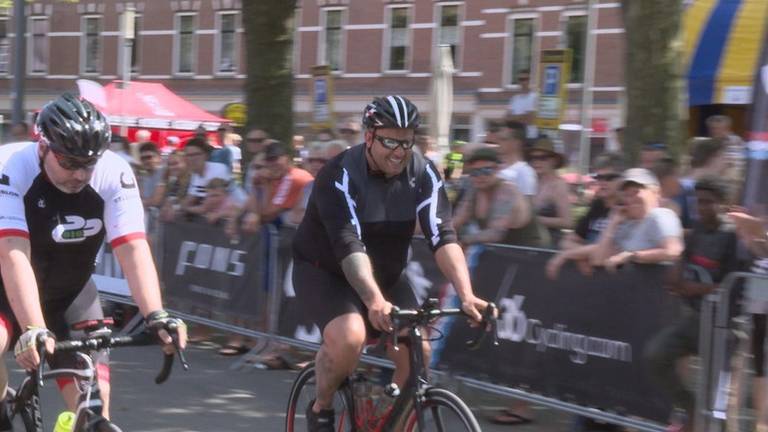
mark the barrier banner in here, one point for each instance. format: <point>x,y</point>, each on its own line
<point>202,268</point>
<point>578,339</point>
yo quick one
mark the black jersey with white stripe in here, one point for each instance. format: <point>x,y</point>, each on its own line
<point>352,210</point>
<point>66,230</point>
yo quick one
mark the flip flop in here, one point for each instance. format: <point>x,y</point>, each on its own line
<point>233,350</point>
<point>510,418</point>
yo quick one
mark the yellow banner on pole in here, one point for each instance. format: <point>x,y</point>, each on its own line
<point>553,97</point>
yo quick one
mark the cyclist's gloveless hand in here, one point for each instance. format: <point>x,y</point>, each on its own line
<point>474,307</point>
<point>26,347</point>
<point>378,315</point>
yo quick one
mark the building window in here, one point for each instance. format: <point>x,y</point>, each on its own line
<point>38,52</point>
<point>136,47</point>
<point>399,39</point>
<point>91,45</point>
<point>185,44</point>
<point>226,61</point>
<point>449,31</point>
<point>461,128</point>
<point>576,35</point>
<point>332,38</point>
<point>5,48</point>
<point>521,55</point>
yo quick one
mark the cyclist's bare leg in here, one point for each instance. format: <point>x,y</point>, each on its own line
<point>343,340</point>
<point>70,393</point>
<point>402,363</point>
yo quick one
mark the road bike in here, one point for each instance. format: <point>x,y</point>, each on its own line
<point>24,402</point>
<point>418,407</point>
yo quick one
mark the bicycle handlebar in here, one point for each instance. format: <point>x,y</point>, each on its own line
<point>430,311</point>
<point>106,340</point>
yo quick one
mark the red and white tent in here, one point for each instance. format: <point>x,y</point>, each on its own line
<point>152,106</point>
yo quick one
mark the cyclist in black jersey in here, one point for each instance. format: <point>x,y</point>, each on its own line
<point>60,197</point>
<point>351,248</point>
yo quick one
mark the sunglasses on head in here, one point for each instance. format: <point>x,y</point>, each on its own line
<point>71,163</point>
<point>606,177</point>
<point>485,171</point>
<point>393,144</point>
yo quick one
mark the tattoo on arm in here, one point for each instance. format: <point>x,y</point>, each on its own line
<point>359,272</point>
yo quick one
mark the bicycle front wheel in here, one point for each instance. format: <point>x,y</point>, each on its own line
<point>303,393</point>
<point>443,412</point>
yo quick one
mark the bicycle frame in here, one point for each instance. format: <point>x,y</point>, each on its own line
<point>89,404</point>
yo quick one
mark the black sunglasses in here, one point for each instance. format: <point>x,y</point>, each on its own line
<point>606,177</point>
<point>393,144</point>
<point>317,160</point>
<point>485,171</point>
<point>71,163</point>
<point>256,140</point>
<point>539,157</point>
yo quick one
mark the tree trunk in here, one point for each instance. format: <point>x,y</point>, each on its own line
<point>654,84</point>
<point>269,84</point>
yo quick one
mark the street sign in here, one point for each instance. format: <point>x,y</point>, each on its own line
<point>556,70</point>
<point>322,97</point>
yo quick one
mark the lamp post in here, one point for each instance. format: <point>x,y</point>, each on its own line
<point>128,35</point>
<point>20,57</point>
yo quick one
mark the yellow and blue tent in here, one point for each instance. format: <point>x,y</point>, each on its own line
<point>723,40</point>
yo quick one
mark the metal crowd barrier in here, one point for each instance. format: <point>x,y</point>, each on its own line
<point>714,350</point>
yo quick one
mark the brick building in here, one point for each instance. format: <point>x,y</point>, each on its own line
<point>196,47</point>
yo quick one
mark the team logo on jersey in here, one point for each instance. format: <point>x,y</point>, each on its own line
<point>76,229</point>
<point>41,203</point>
<point>5,180</point>
<point>412,182</point>
<point>130,184</point>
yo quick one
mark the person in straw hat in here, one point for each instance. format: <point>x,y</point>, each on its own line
<point>552,203</point>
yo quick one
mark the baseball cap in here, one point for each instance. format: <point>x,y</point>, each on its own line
<point>640,176</point>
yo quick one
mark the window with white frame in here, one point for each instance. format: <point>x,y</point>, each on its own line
<point>399,39</point>
<point>226,44</point>
<point>91,44</point>
<point>38,52</point>
<point>332,41</point>
<point>576,38</point>
<point>449,32</point>
<point>5,47</point>
<point>185,44</point>
<point>521,45</point>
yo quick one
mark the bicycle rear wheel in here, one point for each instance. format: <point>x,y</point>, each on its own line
<point>303,392</point>
<point>443,412</point>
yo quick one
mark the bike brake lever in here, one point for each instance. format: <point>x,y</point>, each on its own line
<point>41,354</point>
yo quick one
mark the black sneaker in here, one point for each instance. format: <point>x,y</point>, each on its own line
<point>5,417</point>
<point>324,421</point>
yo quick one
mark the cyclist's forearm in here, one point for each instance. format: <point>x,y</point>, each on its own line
<point>359,272</point>
<point>136,261</point>
<point>450,258</point>
<point>20,283</point>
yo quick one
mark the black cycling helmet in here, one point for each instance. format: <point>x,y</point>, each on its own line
<point>391,112</point>
<point>74,127</point>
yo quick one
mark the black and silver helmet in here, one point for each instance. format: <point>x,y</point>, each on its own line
<point>391,112</point>
<point>74,127</point>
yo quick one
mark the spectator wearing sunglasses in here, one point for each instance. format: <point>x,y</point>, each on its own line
<point>349,131</point>
<point>150,175</point>
<point>492,210</point>
<point>552,204</point>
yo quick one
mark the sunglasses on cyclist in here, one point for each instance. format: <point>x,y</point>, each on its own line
<point>606,177</point>
<point>71,163</point>
<point>393,144</point>
<point>485,171</point>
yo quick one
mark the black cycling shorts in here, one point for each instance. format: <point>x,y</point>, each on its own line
<point>60,315</point>
<point>324,296</point>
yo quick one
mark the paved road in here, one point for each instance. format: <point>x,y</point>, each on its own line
<point>211,397</point>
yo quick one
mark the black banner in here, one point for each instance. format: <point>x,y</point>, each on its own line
<point>578,339</point>
<point>203,269</point>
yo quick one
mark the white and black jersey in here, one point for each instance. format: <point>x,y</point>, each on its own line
<point>66,230</point>
<point>351,210</point>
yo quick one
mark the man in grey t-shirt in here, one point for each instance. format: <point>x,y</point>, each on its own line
<point>639,230</point>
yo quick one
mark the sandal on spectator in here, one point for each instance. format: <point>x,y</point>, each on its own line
<point>510,418</point>
<point>233,350</point>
